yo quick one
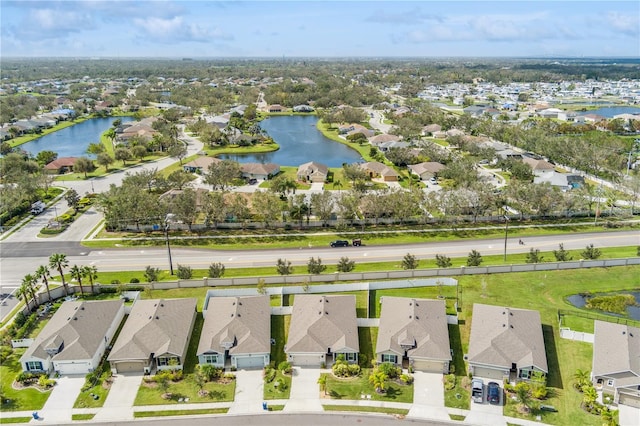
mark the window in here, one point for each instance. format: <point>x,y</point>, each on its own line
<point>166,361</point>
<point>350,356</point>
<point>610,382</point>
<point>210,359</point>
<point>389,358</point>
<point>34,366</point>
<point>525,374</point>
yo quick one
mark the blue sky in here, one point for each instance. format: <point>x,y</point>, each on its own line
<point>118,28</point>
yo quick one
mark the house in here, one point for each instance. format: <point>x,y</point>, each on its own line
<point>200,165</point>
<point>259,170</point>
<point>61,165</point>
<point>616,361</point>
<point>142,129</point>
<point>276,108</point>
<point>75,338</point>
<point>155,336</point>
<point>376,169</point>
<point>414,332</point>
<point>426,170</point>
<point>431,129</point>
<point>312,172</point>
<point>564,181</point>
<point>538,165</point>
<point>382,138</point>
<point>321,328</point>
<point>236,329</point>
<point>506,343</point>
<point>303,108</point>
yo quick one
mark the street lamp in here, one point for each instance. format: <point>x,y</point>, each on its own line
<point>167,222</point>
<point>506,233</point>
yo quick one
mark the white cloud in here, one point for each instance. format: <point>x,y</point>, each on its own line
<point>175,30</point>
<point>628,23</point>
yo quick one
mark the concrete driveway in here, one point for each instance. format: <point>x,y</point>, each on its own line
<point>249,392</point>
<point>119,402</point>
<point>628,416</point>
<point>305,392</point>
<point>428,397</point>
<point>485,413</point>
<point>59,405</point>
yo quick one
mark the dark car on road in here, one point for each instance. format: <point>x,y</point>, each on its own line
<point>339,243</point>
<point>493,393</point>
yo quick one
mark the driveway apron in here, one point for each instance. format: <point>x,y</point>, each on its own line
<point>305,392</point>
<point>119,402</point>
<point>428,397</point>
<point>249,392</point>
<point>59,405</point>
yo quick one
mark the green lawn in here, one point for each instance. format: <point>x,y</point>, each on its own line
<point>187,412</point>
<point>82,416</point>
<point>386,410</point>
<point>186,388</point>
<point>86,400</point>
<point>367,338</point>
<point>12,420</point>
<point>19,400</point>
<point>354,387</point>
<point>279,332</point>
<point>282,390</point>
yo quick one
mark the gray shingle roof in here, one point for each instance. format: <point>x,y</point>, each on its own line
<point>155,326</point>
<point>80,325</point>
<point>616,349</point>
<point>418,323</point>
<point>501,336</point>
<point>244,323</point>
<point>321,322</point>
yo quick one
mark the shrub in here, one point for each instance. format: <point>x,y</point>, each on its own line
<point>354,369</point>
<point>406,379</point>
<point>269,374</point>
<point>345,265</point>
<point>390,370</point>
<point>533,256</point>
<point>590,252</point>
<point>45,382</point>
<point>474,258</point>
<point>449,381</point>
<point>539,392</point>
<point>184,272</point>
<point>216,270</point>
<point>315,266</point>
<point>151,274</point>
<point>115,281</point>
<point>285,367</point>
<point>409,261</point>
<point>134,280</point>
<point>210,372</point>
<point>443,261</point>
<point>340,370</point>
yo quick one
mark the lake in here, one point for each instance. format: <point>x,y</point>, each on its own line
<point>73,141</point>
<point>609,112</point>
<point>580,300</point>
<point>300,142</point>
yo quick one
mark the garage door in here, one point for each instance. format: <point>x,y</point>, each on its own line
<point>129,367</point>
<point>428,366</point>
<point>307,360</point>
<point>250,362</point>
<point>72,368</point>
<point>488,373</point>
<point>630,400</point>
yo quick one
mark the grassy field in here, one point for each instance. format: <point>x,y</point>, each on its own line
<point>19,400</point>
<point>354,387</point>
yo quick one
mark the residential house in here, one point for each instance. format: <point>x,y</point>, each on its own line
<point>303,108</point>
<point>237,329</point>
<point>276,108</point>
<point>430,129</point>
<point>155,336</point>
<point>616,361</point>
<point>538,165</point>
<point>61,165</point>
<point>75,338</point>
<point>259,170</point>
<point>506,343</point>
<point>312,172</point>
<point>388,146</point>
<point>321,328</point>
<point>564,181</point>
<point>426,170</point>
<point>382,138</point>
<point>142,129</point>
<point>377,170</point>
<point>414,332</point>
<point>200,165</point>
<point>353,128</point>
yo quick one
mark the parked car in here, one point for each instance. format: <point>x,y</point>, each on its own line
<point>477,390</point>
<point>253,181</point>
<point>339,243</point>
<point>493,393</point>
<point>357,242</point>
<point>38,207</point>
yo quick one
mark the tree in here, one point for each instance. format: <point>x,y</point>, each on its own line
<point>590,252</point>
<point>184,272</point>
<point>178,150</point>
<point>95,148</point>
<point>216,270</point>
<point>315,266</point>
<point>43,274</point>
<point>443,261</point>
<point>104,160</point>
<point>84,165</point>
<point>267,206</point>
<point>409,261</point>
<point>261,287</point>
<point>185,206</point>
<point>474,258</point>
<point>322,381</point>
<point>151,274</point>
<point>91,272</point>
<point>283,266</point>
<point>283,185</point>
<point>215,208</point>
<point>561,254</point>
<point>178,179</point>
<point>533,256</point>
<point>378,380</point>
<point>222,175</point>
<point>73,199</point>
<point>582,378</point>
<point>45,157</point>
<point>24,291</point>
<point>523,394</point>
<point>28,288</point>
<point>139,151</point>
<point>5,148</point>
<point>345,265</point>
<point>77,273</point>
<point>322,204</point>
<point>59,261</point>
<point>123,154</point>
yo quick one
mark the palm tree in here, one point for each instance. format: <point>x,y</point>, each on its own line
<point>77,273</point>
<point>581,377</point>
<point>589,395</point>
<point>91,272</point>
<point>59,261</point>
<point>24,290</point>
<point>522,392</point>
<point>378,380</point>
<point>43,273</point>
<point>322,381</point>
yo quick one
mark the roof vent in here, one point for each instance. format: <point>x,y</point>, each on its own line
<point>82,309</point>
<point>504,325</point>
<point>503,312</point>
<point>233,304</point>
<point>410,317</point>
<point>511,326</point>
<point>75,318</point>
<point>162,305</point>
<point>624,332</point>
<point>238,314</point>
<point>157,317</point>
<point>75,309</point>
<point>155,304</point>
<point>417,317</point>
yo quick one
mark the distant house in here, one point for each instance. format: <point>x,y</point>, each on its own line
<point>426,170</point>
<point>142,129</point>
<point>236,329</point>
<point>564,181</point>
<point>616,362</point>
<point>382,138</point>
<point>312,172</point>
<point>414,332</point>
<point>259,170</point>
<point>321,328</point>
<point>61,165</point>
<point>431,129</point>
<point>303,108</point>
<point>506,343</point>
<point>276,108</point>
<point>200,165</point>
<point>75,338</point>
<point>155,336</point>
<point>538,165</point>
<point>378,170</point>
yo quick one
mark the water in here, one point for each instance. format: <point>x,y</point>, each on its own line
<point>579,301</point>
<point>73,141</point>
<point>609,112</point>
<point>300,142</point>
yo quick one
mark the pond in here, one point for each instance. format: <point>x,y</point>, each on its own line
<point>300,142</point>
<point>73,141</point>
<point>580,300</point>
<point>609,112</point>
